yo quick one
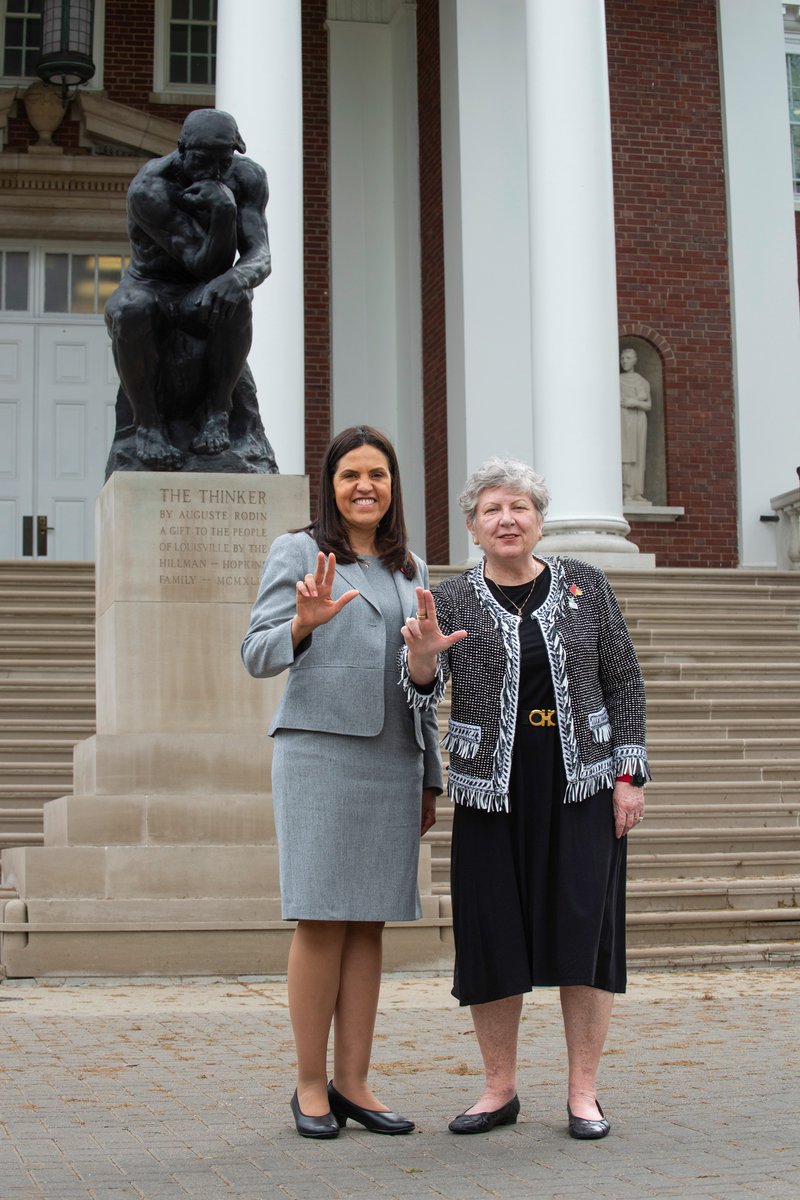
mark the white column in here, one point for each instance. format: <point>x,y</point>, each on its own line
<point>575,372</point>
<point>485,204</point>
<point>260,82</point>
<point>763,254</point>
<point>375,238</point>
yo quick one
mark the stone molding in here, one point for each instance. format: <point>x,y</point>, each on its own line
<point>369,12</point>
<point>653,512</point>
<point>75,196</point>
<point>105,121</point>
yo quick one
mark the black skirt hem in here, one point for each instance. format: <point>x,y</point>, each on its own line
<point>614,991</point>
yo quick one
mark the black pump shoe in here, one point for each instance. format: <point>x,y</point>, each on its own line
<point>482,1122</point>
<point>584,1129</point>
<point>325,1126</point>
<point>372,1119</point>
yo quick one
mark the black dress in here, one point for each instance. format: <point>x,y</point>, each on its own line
<point>538,892</point>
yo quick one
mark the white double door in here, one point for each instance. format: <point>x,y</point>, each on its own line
<point>57,393</point>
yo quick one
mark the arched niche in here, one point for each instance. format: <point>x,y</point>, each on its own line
<point>650,365</point>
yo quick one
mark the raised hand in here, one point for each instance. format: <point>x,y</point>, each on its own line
<point>313,601</point>
<point>425,640</point>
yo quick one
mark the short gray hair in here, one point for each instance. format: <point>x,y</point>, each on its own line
<point>508,473</point>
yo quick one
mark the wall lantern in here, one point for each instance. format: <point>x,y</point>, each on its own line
<point>67,30</point>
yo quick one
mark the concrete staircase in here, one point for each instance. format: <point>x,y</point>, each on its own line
<point>47,687</point>
<point>714,870</point>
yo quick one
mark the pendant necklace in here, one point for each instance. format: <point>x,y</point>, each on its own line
<point>513,603</point>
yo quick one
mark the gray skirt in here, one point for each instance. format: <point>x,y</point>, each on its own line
<point>347,817</point>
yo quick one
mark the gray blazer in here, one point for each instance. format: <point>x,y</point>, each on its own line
<point>335,682</point>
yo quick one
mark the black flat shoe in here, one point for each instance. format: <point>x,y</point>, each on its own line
<point>583,1129</point>
<point>482,1122</point>
<point>371,1119</point>
<point>314,1127</point>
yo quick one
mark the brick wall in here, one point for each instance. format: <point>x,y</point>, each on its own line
<point>316,202</point>
<point>672,264</point>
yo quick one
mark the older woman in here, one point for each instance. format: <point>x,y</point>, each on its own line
<point>355,775</point>
<point>547,763</point>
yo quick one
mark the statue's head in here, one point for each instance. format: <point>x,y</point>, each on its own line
<point>208,140</point>
<point>627,358</point>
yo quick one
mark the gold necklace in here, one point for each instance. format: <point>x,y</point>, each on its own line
<point>513,603</point>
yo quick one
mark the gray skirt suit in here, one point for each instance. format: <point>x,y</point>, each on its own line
<point>350,759</point>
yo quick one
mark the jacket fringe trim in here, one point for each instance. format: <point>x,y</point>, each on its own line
<point>471,794</point>
<point>468,792</point>
<point>631,760</point>
<point>581,789</point>
<point>459,743</point>
<point>416,699</point>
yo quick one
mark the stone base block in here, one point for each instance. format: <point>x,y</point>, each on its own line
<point>117,872</point>
<point>177,667</point>
<point>211,763</point>
<point>140,953</point>
<point>159,819</point>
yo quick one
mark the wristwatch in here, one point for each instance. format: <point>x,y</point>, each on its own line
<point>637,780</point>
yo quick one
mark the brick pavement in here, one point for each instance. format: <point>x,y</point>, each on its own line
<point>170,1089</point>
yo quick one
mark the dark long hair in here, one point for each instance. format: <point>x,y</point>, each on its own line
<point>328,528</point>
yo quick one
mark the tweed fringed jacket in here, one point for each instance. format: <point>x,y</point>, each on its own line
<point>598,685</point>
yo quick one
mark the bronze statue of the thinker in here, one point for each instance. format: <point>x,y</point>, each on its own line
<point>181,319</point>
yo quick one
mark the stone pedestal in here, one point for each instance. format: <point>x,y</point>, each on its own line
<point>163,861</point>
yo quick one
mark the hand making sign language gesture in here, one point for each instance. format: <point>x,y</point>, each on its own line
<point>425,640</point>
<point>314,604</point>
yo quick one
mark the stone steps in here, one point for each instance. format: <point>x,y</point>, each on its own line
<point>43,728</point>
<point>751,926</point>
<point>47,687</point>
<point>711,954</point>
<point>29,639</point>
<point>723,894</point>
<point>666,749</point>
<point>760,671</point>
<point>26,750</point>
<point>731,728</point>
<point>64,661</point>
<point>715,864</point>
<point>721,692</point>
<point>652,655</point>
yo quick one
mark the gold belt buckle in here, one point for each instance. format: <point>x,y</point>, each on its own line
<point>540,718</point>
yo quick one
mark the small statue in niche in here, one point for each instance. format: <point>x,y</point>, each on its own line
<point>635,404</point>
<point>181,319</point>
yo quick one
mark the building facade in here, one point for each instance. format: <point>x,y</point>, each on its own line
<point>475,206</point>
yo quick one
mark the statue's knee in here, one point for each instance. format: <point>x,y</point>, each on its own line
<point>241,316</point>
<point>134,316</point>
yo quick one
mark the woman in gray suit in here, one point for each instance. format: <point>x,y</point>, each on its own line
<point>355,774</point>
